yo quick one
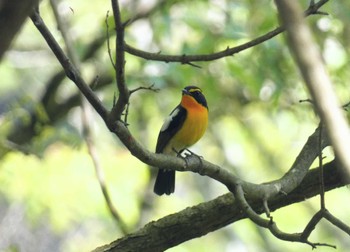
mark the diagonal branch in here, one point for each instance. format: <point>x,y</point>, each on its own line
<point>336,222</point>
<point>310,63</point>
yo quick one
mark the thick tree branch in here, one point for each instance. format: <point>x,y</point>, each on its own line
<point>311,65</point>
<point>210,216</point>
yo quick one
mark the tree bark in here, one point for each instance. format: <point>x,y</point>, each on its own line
<point>207,217</point>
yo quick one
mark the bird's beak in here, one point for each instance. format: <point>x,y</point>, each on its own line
<point>185,92</point>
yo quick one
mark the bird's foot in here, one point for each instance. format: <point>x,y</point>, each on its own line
<point>186,154</point>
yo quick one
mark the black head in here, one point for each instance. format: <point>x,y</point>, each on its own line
<point>196,93</point>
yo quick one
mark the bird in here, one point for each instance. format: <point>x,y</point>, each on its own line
<point>185,125</point>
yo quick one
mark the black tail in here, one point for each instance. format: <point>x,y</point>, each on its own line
<point>165,182</point>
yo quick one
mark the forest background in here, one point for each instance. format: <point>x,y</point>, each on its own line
<point>57,153</point>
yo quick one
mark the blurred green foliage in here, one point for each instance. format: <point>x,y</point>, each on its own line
<point>257,125</point>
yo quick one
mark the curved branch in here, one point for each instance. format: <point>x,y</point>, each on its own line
<point>212,215</point>
<point>229,51</point>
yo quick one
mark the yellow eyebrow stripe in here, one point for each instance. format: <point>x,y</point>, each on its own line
<point>195,89</point>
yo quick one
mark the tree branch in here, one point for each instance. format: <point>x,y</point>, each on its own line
<point>310,63</point>
<point>229,51</point>
<point>124,94</point>
<point>207,217</point>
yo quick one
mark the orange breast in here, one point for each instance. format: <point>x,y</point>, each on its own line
<point>194,126</point>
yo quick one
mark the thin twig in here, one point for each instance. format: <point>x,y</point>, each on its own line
<point>336,222</point>
<point>100,174</point>
<point>150,88</point>
<point>320,164</point>
<point>126,113</point>
<point>307,100</point>
<point>95,82</point>
<point>108,44</point>
<point>312,225</point>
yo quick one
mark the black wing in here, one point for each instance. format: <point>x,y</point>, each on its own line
<point>170,127</point>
